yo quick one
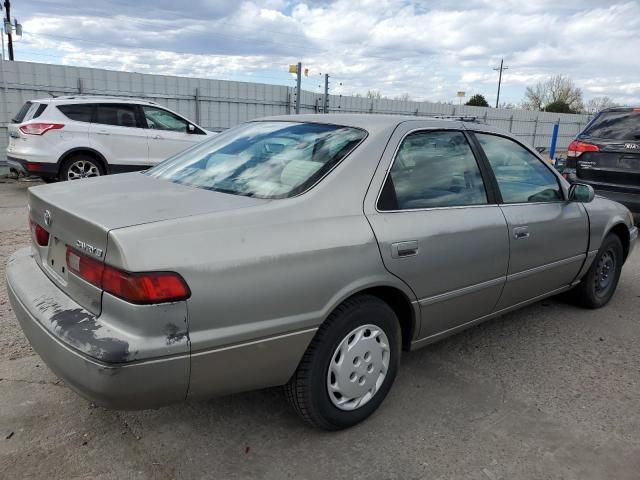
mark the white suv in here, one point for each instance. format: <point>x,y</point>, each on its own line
<point>74,137</point>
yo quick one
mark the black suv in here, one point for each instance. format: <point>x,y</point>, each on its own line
<point>606,155</point>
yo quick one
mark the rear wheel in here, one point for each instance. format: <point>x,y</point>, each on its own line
<point>599,284</point>
<point>81,166</point>
<point>350,365</point>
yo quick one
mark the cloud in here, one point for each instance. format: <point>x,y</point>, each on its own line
<point>429,50</point>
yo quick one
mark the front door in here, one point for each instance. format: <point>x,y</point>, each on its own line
<point>438,228</point>
<point>548,234</point>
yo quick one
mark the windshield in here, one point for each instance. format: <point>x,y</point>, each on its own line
<point>262,159</point>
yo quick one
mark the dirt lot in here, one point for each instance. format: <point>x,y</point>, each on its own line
<point>551,391</point>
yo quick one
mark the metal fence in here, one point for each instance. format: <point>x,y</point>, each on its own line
<point>220,104</point>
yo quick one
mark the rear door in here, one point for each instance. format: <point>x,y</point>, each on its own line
<point>438,227</point>
<point>615,165</point>
<point>168,133</point>
<point>548,234</point>
<point>117,133</point>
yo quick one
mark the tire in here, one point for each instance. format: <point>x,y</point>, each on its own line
<point>362,327</point>
<point>81,166</point>
<point>600,282</point>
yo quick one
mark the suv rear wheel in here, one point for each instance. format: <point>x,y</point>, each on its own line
<point>81,166</point>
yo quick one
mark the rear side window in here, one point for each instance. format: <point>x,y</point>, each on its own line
<point>433,169</point>
<point>81,112</point>
<point>122,115</point>
<point>521,176</point>
<point>41,107</point>
<point>615,126</point>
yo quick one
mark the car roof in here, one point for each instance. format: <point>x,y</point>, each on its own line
<point>373,120</point>
<point>93,99</point>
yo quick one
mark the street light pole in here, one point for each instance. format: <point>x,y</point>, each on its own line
<point>501,68</point>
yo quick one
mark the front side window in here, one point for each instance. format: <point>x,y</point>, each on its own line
<point>521,176</point>
<point>262,159</point>
<point>159,119</point>
<point>433,169</point>
<point>119,114</point>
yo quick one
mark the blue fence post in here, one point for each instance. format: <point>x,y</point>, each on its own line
<point>554,139</point>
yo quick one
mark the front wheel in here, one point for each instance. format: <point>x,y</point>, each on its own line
<point>350,365</point>
<point>600,282</point>
<point>81,166</point>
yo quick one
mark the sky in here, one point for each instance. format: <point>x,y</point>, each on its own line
<point>430,50</point>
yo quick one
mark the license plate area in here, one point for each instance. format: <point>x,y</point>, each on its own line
<point>630,162</point>
<point>57,260</point>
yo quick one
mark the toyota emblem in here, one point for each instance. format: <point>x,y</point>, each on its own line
<point>47,218</point>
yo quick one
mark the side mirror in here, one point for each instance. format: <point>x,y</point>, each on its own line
<point>191,128</point>
<point>581,192</point>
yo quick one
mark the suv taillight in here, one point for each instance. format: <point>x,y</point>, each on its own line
<point>40,128</point>
<point>140,288</point>
<point>577,148</point>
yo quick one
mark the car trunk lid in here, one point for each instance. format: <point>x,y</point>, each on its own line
<point>78,215</point>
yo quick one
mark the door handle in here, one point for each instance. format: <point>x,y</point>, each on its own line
<point>157,137</point>
<point>404,249</point>
<point>103,132</point>
<point>520,233</point>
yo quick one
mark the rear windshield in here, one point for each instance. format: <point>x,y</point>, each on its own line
<point>262,159</point>
<point>29,111</point>
<point>615,125</point>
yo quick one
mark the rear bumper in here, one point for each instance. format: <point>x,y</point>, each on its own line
<point>122,385</point>
<point>27,167</point>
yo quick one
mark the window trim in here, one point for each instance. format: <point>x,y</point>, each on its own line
<point>487,176</point>
<point>500,200</point>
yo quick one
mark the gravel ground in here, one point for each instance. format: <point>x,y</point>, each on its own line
<point>551,391</point>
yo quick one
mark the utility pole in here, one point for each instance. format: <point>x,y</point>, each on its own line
<point>326,93</point>
<point>298,85</point>
<point>7,8</point>
<point>502,67</point>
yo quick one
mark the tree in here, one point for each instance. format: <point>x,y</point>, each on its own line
<point>558,106</point>
<point>405,97</point>
<point>374,94</point>
<point>477,101</point>
<point>599,103</point>
<point>555,89</point>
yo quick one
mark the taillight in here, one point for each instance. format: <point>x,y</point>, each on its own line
<point>577,148</point>
<point>40,235</point>
<point>40,128</point>
<point>87,268</point>
<point>140,288</point>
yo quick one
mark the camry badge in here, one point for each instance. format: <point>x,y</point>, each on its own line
<point>84,246</point>
<point>47,218</point>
